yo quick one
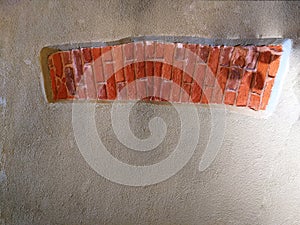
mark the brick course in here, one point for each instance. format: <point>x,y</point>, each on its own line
<point>178,72</point>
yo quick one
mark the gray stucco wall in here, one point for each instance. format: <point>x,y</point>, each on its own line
<point>44,179</point>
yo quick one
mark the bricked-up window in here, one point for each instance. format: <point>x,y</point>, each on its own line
<point>156,70</point>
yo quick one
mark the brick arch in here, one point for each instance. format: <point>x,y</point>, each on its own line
<point>234,75</point>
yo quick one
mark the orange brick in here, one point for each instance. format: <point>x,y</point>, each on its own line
<point>243,93</point>
<point>229,98</point>
<point>128,50</point>
<point>274,65</point>
<point>267,93</point>
<point>196,93</point>
<point>101,92</point>
<point>86,55</point>
<point>118,63</point>
<point>207,95</point>
<point>186,92</point>
<point>203,53</point>
<point>239,56</point>
<point>254,101</point>
<point>58,64</point>
<point>262,68</point>
<point>111,88</point>
<point>213,60</point>
<point>225,56</point>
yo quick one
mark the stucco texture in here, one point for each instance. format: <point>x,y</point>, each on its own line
<point>44,179</point>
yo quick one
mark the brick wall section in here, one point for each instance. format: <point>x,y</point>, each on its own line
<point>177,72</point>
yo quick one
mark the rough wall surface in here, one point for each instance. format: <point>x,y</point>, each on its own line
<point>44,179</point>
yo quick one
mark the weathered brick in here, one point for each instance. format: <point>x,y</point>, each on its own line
<point>111,88</point>
<point>166,87</point>
<point>128,50</point>
<point>70,83</point>
<point>141,87</point>
<point>220,85</point>
<point>86,55</point>
<point>157,69</point>
<point>106,54</point>
<point>129,72</point>
<point>168,61</point>
<point>53,83</point>
<point>239,56</point>
<point>159,50</point>
<point>118,63</point>
<point>179,52</point>
<point>213,60</point>
<point>186,92</point>
<point>121,91</point>
<point>261,73</point>
<point>225,55</point>
<point>58,64</point>
<point>243,93</point>
<point>61,90</point>
<point>97,65</point>
<point>234,78</point>
<point>203,53</point>
<point>90,82</point>
<point>267,93</point>
<point>80,93</point>
<point>101,92</point>
<point>67,57</point>
<point>251,58</point>
<point>229,98</point>
<point>206,95</point>
<point>195,93</point>
<point>139,58</point>
<point>175,93</point>
<point>79,69</point>
<point>189,68</point>
<point>254,101</point>
<point>199,75</point>
<point>274,65</point>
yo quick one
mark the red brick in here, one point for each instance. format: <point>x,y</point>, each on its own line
<point>108,70</point>
<point>243,93</point>
<point>111,88</point>
<point>90,82</point>
<point>157,86</point>
<point>157,69</point>
<point>79,69</point>
<point>106,53</point>
<point>254,101</point>
<point>262,68</point>
<point>206,95</point>
<point>150,86</point>
<point>53,84</point>
<point>190,56</point>
<point>203,53</point>
<point>128,50</point>
<point>58,64</point>
<point>67,57</point>
<point>166,71</point>
<point>177,76</point>
<point>220,85</point>
<point>101,92</point>
<point>186,92</point>
<point>274,65</point>
<point>86,55</point>
<point>141,88</point>
<point>131,91</point>
<point>168,61</point>
<point>179,52</point>
<point>225,55</point>
<point>140,65</point>
<point>234,78</point>
<point>166,90</point>
<point>121,91</point>
<point>276,48</point>
<point>239,56</point>
<point>149,68</point>
<point>70,83</point>
<point>80,92</point>
<point>119,63</point>
<point>149,50</point>
<point>96,53</point>
<point>213,60</point>
<point>229,98</point>
<point>61,90</point>
<point>175,93</point>
<point>129,73</point>
<point>195,93</point>
<point>199,75</point>
<point>267,93</point>
<point>251,58</point>
<point>159,50</point>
